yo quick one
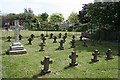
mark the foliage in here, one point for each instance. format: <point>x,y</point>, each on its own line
<point>73,18</point>
<point>56,18</point>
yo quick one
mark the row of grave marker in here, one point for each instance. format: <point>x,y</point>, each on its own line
<point>73,62</point>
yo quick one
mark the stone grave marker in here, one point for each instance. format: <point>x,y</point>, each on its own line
<point>64,38</point>
<point>73,37</point>
<point>42,46</point>
<point>61,45</point>
<point>66,35</point>
<point>55,39</point>
<point>72,44</point>
<point>60,35</point>
<point>30,40</point>
<point>46,63</point>
<point>109,54</point>
<point>8,39</point>
<point>51,35</point>
<point>32,36</point>
<point>16,46</point>
<point>73,57</point>
<point>43,39</point>
<point>95,55</point>
<point>20,37</point>
<point>42,35</point>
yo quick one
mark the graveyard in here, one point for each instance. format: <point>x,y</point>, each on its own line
<point>61,39</point>
<point>29,65</point>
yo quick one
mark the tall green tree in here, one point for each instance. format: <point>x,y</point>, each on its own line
<point>73,18</point>
<point>56,18</point>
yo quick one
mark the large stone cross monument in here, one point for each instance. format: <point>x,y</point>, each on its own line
<point>16,46</point>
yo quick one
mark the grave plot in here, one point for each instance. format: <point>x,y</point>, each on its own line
<point>30,64</point>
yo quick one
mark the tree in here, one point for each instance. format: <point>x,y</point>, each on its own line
<point>56,18</point>
<point>73,18</point>
<point>105,18</point>
<point>44,16</point>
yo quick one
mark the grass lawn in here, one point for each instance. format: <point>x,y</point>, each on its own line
<point>28,65</point>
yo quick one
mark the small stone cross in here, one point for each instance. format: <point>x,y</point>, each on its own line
<point>30,40</point>
<point>73,37</point>
<point>20,37</point>
<point>42,46</point>
<point>8,39</point>
<point>51,35</point>
<point>43,39</point>
<point>46,63</point>
<point>109,54</point>
<point>55,39</point>
<point>32,36</point>
<point>73,57</point>
<point>72,43</point>
<point>95,55</point>
<point>61,45</point>
<point>60,35</point>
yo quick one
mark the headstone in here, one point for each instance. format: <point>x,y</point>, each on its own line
<point>73,57</point>
<point>51,35</point>
<point>73,37</point>
<point>84,43</point>
<point>43,39</point>
<point>20,37</point>
<point>8,39</point>
<point>61,45</point>
<point>109,54</point>
<point>30,40</point>
<point>42,46</point>
<point>55,39</point>
<point>80,38</point>
<point>16,46</point>
<point>42,35</point>
<point>72,43</point>
<point>95,55</point>
<point>60,35</point>
<point>64,37</point>
<point>32,36</point>
<point>46,63</point>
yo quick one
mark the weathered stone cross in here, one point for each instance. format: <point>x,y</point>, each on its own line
<point>73,57</point>
<point>46,63</point>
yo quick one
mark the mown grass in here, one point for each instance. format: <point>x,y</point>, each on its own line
<point>28,65</point>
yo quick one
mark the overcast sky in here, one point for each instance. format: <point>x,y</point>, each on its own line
<point>40,6</point>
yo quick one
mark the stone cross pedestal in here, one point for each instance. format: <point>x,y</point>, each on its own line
<point>72,43</point>
<point>46,63</point>
<point>16,46</point>
<point>60,35</point>
<point>95,55</point>
<point>73,57</point>
<point>8,39</point>
<point>55,41</point>
<point>109,54</point>
<point>42,46</point>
